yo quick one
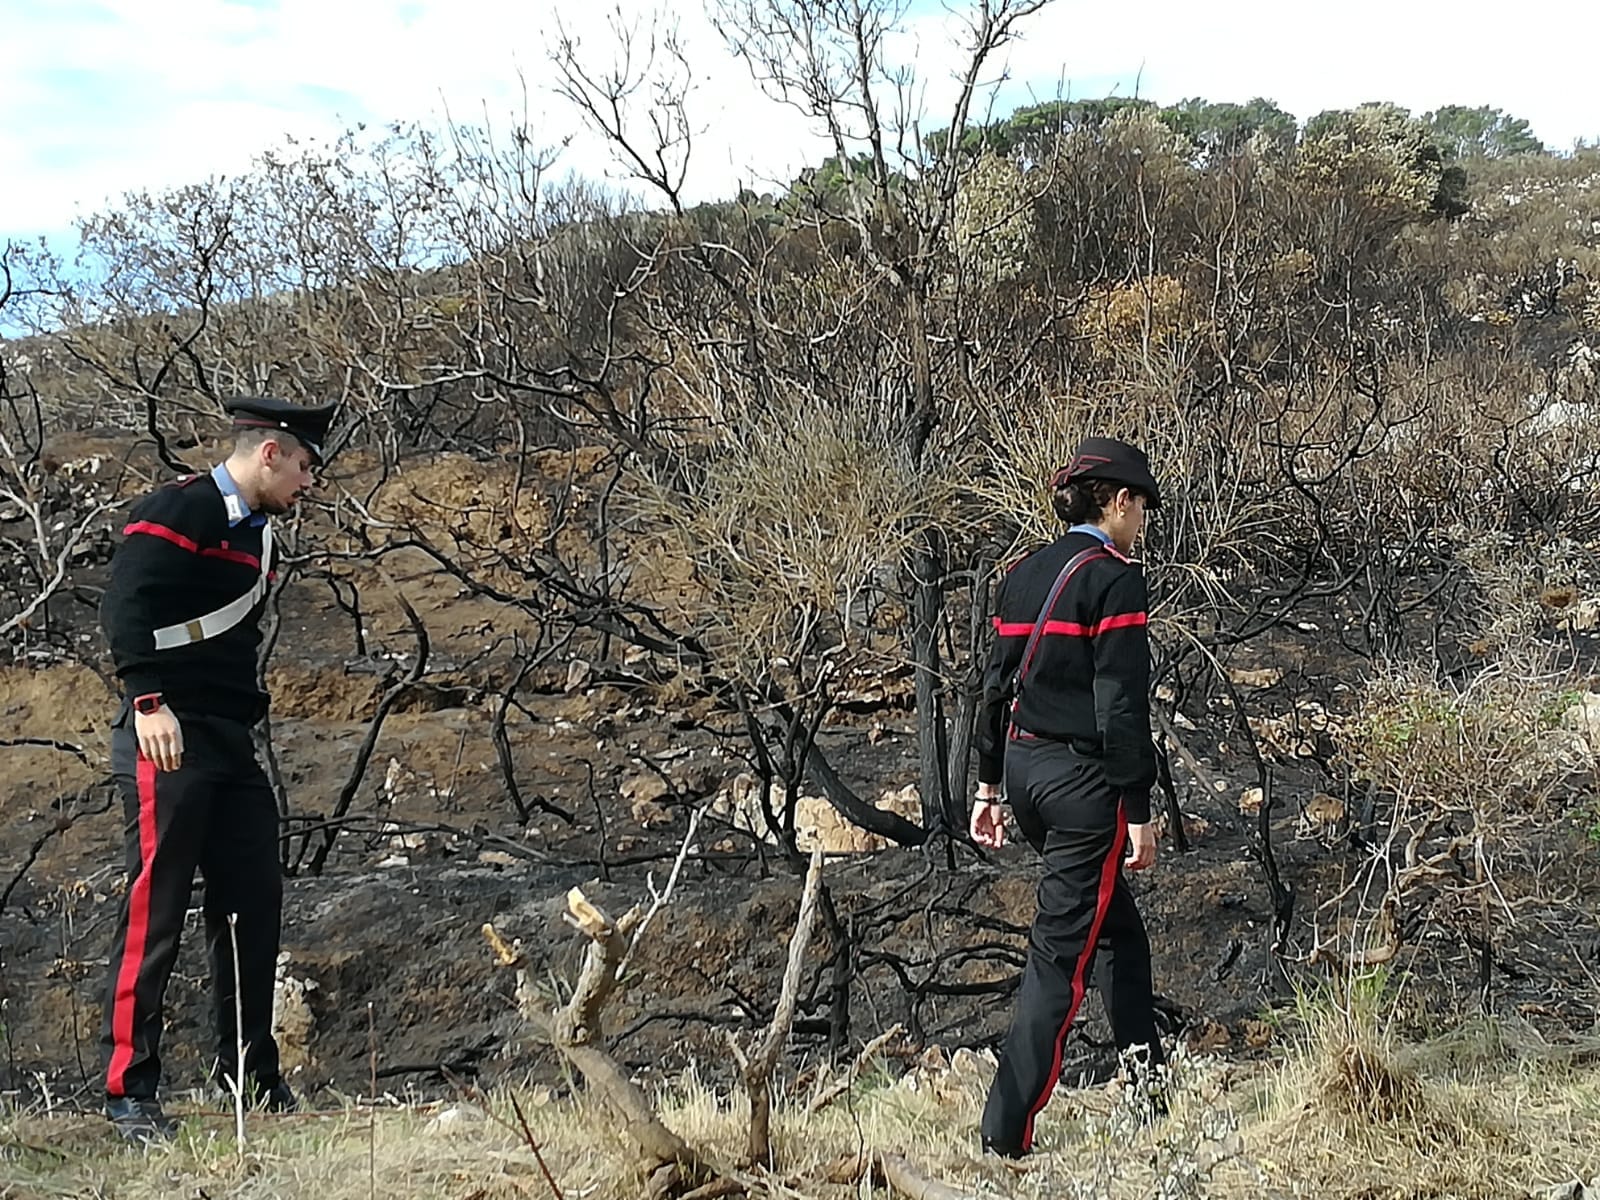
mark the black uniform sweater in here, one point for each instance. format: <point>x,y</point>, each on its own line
<point>1088,682</point>
<point>181,559</point>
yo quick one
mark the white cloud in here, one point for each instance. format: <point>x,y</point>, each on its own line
<point>131,95</point>
<point>125,94</point>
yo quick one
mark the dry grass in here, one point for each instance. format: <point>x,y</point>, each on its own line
<point>1489,1111</point>
<point>1496,1130</point>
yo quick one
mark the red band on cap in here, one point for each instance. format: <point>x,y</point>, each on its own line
<point>1079,465</point>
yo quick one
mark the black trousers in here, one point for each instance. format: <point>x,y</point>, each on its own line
<point>216,812</point>
<point>1087,921</point>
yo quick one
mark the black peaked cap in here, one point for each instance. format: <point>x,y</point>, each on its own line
<point>1113,460</point>
<point>307,425</point>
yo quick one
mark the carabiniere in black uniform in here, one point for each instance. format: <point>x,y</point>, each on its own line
<point>182,615</point>
<point>1075,754</point>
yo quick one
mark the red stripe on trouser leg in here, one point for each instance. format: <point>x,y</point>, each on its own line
<point>1108,885</point>
<point>138,930</point>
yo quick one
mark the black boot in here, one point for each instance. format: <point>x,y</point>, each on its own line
<point>990,1146</point>
<point>140,1120</point>
<point>277,1098</point>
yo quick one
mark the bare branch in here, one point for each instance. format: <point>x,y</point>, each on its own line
<point>576,1030</point>
<point>845,1082</point>
<point>758,1066</point>
<point>658,900</point>
<point>369,743</point>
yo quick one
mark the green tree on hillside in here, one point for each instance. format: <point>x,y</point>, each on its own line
<point>833,182</point>
<point>1030,132</point>
<point>1391,132</point>
<point>1225,128</point>
<point>1481,132</point>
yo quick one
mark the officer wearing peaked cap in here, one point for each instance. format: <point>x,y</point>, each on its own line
<point>1114,461</point>
<point>1066,727</point>
<point>182,615</point>
<point>308,426</point>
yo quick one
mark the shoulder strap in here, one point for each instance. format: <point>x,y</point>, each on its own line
<point>225,618</point>
<point>1067,572</point>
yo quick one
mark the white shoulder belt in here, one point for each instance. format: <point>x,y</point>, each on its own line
<point>226,617</point>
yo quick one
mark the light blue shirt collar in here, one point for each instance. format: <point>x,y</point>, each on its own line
<point>238,511</point>
<point>1092,531</point>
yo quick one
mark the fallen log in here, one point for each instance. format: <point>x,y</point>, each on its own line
<point>895,1172</point>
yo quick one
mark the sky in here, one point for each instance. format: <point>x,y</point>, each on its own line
<point>101,97</point>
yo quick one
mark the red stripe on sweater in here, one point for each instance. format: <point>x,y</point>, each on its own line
<point>237,556</point>
<point>165,533</point>
<point>1073,628</point>
<point>1123,621</point>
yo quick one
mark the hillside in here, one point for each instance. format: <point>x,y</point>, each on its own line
<point>662,543</point>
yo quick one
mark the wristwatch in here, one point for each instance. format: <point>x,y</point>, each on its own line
<point>148,704</point>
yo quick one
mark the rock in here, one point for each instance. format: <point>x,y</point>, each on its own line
<point>1582,617</point>
<point>738,802</point>
<point>817,823</point>
<point>644,793</point>
<point>1322,815</point>
<point>906,802</point>
<point>1250,801</point>
<point>1257,1034</point>
<point>1325,809</point>
<point>696,777</point>
<point>496,858</point>
<point>402,841</point>
<point>1264,678</point>
<point>973,1064</point>
<point>1583,718</point>
<point>579,672</point>
<point>402,784</point>
<point>454,1117</point>
<point>292,1019</point>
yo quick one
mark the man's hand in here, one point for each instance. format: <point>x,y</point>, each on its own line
<point>160,738</point>
<point>1142,844</point>
<point>989,824</point>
